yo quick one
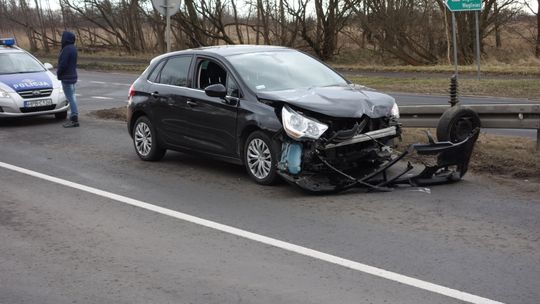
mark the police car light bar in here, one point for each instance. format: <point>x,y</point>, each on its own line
<point>7,41</point>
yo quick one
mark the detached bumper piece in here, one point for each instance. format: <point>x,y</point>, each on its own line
<point>450,163</point>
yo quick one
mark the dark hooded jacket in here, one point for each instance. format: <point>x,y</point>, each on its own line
<point>67,60</point>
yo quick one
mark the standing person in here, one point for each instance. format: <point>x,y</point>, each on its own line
<point>67,73</point>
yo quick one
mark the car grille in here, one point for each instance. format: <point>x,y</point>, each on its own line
<point>35,93</point>
<point>345,129</point>
<point>38,109</point>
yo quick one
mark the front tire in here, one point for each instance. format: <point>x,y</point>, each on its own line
<point>260,158</point>
<point>145,140</point>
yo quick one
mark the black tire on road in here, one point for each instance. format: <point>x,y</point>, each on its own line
<point>456,124</point>
<point>60,115</point>
<point>260,158</point>
<point>145,140</point>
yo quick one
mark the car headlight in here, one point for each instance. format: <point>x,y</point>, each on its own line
<point>4,94</point>
<point>60,90</point>
<point>395,111</point>
<point>300,127</point>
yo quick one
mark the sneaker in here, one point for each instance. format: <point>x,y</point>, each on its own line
<point>71,124</point>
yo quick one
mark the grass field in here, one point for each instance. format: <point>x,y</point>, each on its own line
<point>499,87</point>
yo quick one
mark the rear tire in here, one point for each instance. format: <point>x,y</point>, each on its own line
<point>60,115</point>
<point>456,124</point>
<point>145,140</point>
<point>260,158</point>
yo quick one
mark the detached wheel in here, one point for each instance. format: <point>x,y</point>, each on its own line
<point>60,115</point>
<point>145,140</point>
<point>456,124</point>
<point>260,158</point>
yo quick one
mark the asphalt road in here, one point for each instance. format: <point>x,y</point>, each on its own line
<point>61,244</point>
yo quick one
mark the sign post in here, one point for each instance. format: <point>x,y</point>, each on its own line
<point>167,8</point>
<point>463,6</point>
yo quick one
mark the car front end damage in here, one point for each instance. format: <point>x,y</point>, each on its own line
<point>328,154</point>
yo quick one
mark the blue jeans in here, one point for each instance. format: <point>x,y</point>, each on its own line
<point>69,91</point>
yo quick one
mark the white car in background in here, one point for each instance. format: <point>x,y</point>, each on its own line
<point>27,87</point>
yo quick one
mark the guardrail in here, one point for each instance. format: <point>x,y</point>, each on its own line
<point>503,116</point>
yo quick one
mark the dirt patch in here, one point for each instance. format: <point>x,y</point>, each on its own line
<point>503,156</point>
<point>114,113</point>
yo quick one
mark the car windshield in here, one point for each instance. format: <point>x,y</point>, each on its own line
<point>19,62</point>
<point>283,70</point>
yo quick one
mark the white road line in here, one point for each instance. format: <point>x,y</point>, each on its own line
<point>113,83</point>
<point>102,97</point>
<point>392,276</point>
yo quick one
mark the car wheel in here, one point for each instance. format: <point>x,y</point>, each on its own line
<point>456,124</point>
<point>60,115</point>
<point>145,140</point>
<point>260,158</point>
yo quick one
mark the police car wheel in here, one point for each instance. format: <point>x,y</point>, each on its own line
<point>60,115</point>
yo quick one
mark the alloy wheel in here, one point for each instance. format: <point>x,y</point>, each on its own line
<point>259,158</point>
<point>143,139</point>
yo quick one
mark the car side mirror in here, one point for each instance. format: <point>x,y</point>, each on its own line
<point>48,66</point>
<point>216,90</point>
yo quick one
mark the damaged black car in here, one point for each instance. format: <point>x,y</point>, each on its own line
<point>282,114</point>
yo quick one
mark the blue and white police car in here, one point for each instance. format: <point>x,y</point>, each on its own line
<point>27,87</point>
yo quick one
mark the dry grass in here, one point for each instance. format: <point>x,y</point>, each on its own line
<point>527,67</point>
<point>119,113</point>
<point>501,87</point>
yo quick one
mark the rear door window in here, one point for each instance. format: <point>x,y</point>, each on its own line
<point>175,72</point>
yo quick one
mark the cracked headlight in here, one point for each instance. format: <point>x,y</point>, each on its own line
<point>395,111</point>
<point>298,126</point>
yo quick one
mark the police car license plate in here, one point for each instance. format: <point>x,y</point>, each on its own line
<point>37,103</point>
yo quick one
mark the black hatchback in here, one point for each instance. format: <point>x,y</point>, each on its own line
<point>278,111</point>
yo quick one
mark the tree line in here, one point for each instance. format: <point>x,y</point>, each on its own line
<point>416,32</point>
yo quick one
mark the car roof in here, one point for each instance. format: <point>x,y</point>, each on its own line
<point>227,50</point>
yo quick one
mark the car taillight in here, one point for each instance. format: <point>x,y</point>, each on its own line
<point>131,92</point>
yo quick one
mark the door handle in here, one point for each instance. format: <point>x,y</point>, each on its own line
<point>191,102</point>
<point>155,95</point>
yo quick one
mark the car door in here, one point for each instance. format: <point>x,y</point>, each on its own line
<point>169,92</point>
<point>212,120</point>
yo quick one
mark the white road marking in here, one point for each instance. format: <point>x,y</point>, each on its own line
<point>378,272</point>
<point>102,97</point>
<point>113,83</point>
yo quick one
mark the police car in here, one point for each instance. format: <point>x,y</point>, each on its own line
<point>27,87</point>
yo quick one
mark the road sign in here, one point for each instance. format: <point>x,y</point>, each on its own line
<point>464,5</point>
<point>167,7</point>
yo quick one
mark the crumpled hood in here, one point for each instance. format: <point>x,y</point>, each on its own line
<point>339,101</point>
<point>27,81</point>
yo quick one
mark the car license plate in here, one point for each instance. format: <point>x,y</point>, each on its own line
<point>37,103</point>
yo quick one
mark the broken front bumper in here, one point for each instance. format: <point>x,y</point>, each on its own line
<point>450,165</point>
